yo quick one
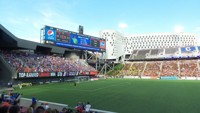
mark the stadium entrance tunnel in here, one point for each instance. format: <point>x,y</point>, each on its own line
<point>44,50</point>
<point>6,73</point>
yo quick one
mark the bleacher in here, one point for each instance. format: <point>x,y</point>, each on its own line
<point>141,54</point>
<point>152,69</point>
<point>137,68</point>
<point>188,68</point>
<point>30,62</point>
<point>171,51</point>
<point>126,69</point>
<point>154,52</point>
<point>179,52</point>
<point>156,69</point>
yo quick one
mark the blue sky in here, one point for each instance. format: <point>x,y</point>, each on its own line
<point>25,18</point>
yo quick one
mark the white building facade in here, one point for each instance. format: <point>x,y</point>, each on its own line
<point>118,44</point>
<point>158,41</point>
<point>115,44</point>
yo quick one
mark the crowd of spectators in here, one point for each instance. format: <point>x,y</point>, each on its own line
<point>152,69</point>
<point>30,62</point>
<point>126,69</point>
<point>179,68</point>
<point>136,69</point>
<point>10,103</point>
<point>188,68</point>
<point>169,68</point>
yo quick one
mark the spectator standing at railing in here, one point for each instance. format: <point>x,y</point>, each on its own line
<point>87,107</point>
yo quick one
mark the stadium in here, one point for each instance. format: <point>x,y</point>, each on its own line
<point>115,73</point>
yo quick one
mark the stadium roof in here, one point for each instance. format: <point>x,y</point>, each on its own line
<point>10,41</point>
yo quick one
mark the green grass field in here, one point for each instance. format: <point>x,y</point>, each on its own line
<point>124,95</point>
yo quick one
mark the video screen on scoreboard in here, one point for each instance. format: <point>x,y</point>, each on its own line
<point>69,39</point>
<point>95,42</point>
<point>79,40</point>
<point>62,36</point>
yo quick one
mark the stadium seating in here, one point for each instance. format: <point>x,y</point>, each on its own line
<point>171,51</point>
<point>142,54</point>
<point>126,69</point>
<point>188,68</point>
<point>30,62</point>
<point>152,69</point>
<point>179,68</point>
<point>154,52</point>
<point>137,68</point>
<point>169,68</point>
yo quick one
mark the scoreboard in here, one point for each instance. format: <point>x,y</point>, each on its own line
<point>62,36</point>
<point>69,39</point>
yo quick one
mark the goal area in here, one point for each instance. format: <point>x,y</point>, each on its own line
<point>79,79</point>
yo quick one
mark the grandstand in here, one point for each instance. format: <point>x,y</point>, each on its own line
<point>27,61</point>
<point>163,68</point>
<point>22,59</point>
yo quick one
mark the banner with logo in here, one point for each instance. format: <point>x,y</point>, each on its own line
<point>44,74</point>
<point>93,73</point>
<point>52,74</point>
<point>169,78</point>
<point>28,75</point>
<point>73,73</point>
<point>103,44</point>
<point>84,73</point>
<point>50,33</point>
<point>188,49</point>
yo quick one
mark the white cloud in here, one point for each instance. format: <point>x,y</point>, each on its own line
<point>197,30</point>
<point>178,28</point>
<point>122,25</point>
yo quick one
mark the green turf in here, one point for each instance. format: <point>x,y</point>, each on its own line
<point>124,95</point>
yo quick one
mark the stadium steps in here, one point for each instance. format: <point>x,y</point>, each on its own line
<point>160,69</point>
<point>6,72</point>
<point>22,62</point>
<point>145,65</point>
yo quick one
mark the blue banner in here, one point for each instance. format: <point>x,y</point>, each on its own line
<point>50,34</point>
<point>169,78</point>
<point>188,49</point>
<point>198,48</point>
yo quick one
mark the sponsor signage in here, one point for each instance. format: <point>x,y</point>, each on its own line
<point>28,75</point>
<point>169,78</point>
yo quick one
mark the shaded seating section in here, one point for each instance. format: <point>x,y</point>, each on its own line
<point>30,62</point>
<point>152,69</point>
<point>188,68</point>
<point>169,68</point>
<point>133,54</point>
<point>171,50</point>
<point>141,54</point>
<point>134,51</point>
<point>160,51</point>
<point>154,52</point>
